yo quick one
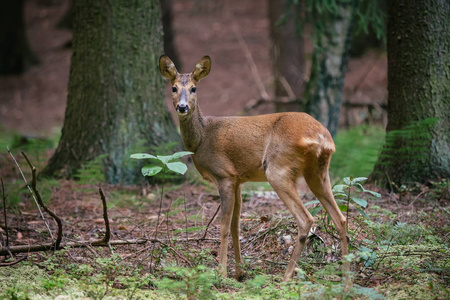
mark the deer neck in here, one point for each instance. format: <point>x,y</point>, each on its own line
<point>192,129</point>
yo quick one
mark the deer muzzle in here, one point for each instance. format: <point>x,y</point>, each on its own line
<point>182,106</point>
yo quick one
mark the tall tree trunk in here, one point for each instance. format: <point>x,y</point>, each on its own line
<point>116,95</point>
<point>287,55</point>
<point>324,88</point>
<point>15,54</point>
<point>418,43</point>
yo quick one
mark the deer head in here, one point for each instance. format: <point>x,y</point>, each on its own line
<point>184,90</point>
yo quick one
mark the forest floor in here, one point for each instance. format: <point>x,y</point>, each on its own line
<point>400,252</point>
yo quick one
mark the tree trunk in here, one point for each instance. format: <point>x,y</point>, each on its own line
<point>116,95</point>
<point>324,88</point>
<point>419,89</point>
<point>15,53</point>
<point>288,57</point>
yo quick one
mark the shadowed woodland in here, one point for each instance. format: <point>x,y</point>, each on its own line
<point>99,199</point>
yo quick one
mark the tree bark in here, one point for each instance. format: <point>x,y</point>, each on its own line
<point>324,88</point>
<point>418,43</point>
<point>116,95</point>
<point>287,56</point>
<point>15,54</point>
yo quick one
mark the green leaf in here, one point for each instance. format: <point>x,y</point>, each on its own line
<point>315,210</point>
<point>362,212</point>
<point>312,202</point>
<point>341,201</point>
<point>340,195</point>
<point>142,156</point>
<point>359,201</point>
<point>373,193</point>
<point>362,189</point>
<point>348,180</point>
<point>177,155</point>
<point>151,170</point>
<point>340,188</point>
<point>177,167</point>
<point>359,180</point>
<point>166,158</point>
<point>343,207</point>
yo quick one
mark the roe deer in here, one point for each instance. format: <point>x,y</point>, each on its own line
<point>278,148</point>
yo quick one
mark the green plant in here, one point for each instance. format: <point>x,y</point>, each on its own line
<point>164,163</point>
<point>195,283</point>
<point>344,197</point>
<point>91,171</point>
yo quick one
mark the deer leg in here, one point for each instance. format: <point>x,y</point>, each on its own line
<point>286,190</point>
<point>227,191</point>
<point>321,188</point>
<point>235,229</point>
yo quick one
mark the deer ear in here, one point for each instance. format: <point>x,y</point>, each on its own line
<point>202,68</point>
<point>167,68</point>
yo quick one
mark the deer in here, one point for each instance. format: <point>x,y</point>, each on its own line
<point>278,148</point>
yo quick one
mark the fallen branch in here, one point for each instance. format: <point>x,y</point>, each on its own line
<point>209,223</point>
<point>107,237</point>
<point>4,213</point>
<point>41,203</point>
<point>81,244</point>
<point>11,263</point>
<point>31,192</point>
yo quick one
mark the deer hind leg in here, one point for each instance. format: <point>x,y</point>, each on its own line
<point>235,229</point>
<point>227,191</point>
<point>285,186</point>
<point>319,183</point>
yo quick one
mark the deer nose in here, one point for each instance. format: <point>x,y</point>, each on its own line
<point>182,108</point>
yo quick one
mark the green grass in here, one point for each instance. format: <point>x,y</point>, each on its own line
<point>357,151</point>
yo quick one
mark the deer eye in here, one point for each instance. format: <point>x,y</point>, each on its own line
<point>174,89</point>
<point>193,89</point>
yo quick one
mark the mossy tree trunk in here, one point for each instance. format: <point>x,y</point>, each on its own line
<point>418,43</point>
<point>329,64</point>
<point>116,95</point>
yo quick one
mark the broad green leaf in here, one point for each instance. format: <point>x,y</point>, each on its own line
<point>348,180</point>
<point>177,155</point>
<point>373,193</point>
<point>340,188</point>
<point>340,195</point>
<point>166,158</point>
<point>312,202</point>
<point>362,212</point>
<point>343,207</point>
<point>359,201</point>
<point>142,156</point>
<point>341,201</point>
<point>315,210</point>
<point>151,170</point>
<point>177,167</point>
<point>359,180</point>
<point>362,189</point>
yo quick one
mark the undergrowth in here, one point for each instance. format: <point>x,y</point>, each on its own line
<point>397,252</point>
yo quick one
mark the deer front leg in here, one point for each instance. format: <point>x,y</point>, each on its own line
<point>235,229</point>
<point>227,191</point>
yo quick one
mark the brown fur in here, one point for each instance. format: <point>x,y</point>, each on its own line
<point>278,148</point>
